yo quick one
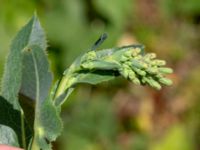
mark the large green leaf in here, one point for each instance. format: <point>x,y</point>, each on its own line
<point>30,34</point>
<point>19,79</point>
<point>47,124</point>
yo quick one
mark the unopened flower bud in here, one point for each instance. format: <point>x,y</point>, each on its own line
<point>165,70</point>
<point>138,57</point>
<point>131,75</point>
<point>128,53</point>
<point>165,81</point>
<point>91,55</point>
<point>152,83</point>
<point>124,72</point>
<point>87,65</point>
<point>124,58</point>
<point>160,62</point>
<point>133,78</point>
<point>135,51</point>
<point>138,64</point>
<point>150,56</point>
<point>152,70</point>
<point>139,71</point>
<point>136,81</point>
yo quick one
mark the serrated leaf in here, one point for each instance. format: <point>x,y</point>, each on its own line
<point>30,34</point>
<point>47,124</point>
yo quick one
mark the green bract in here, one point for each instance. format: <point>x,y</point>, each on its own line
<point>26,97</point>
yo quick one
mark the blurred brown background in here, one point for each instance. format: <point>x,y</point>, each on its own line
<point>119,115</point>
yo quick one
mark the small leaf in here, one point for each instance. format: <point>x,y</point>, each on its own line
<point>100,65</point>
<point>95,77</point>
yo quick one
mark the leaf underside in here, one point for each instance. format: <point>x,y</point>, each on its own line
<point>25,88</point>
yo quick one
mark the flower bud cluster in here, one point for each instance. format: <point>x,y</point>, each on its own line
<point>87,60</point>
<point>144,69</point>
<point>131,64</point>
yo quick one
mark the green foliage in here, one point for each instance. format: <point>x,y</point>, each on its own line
<point>26,96</point>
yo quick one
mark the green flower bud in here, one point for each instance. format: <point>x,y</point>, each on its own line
<point>133,78</point>
<point>150,56</point>
<point>152,70</point>
<point>135,52</point>
<point>128,63</point>
<point>136,81</point>
<point>152,83</point>
<point>138,57</point>
<point>159,62</point>
<point>159,76</point>
<point>124,72</point>
<point>155,84</point>
<point>138,64</point>
<point>131,75</point>
<point>143,80</point>
<point>124,58</point>
<point>139,71</point>
<point>165,70</point>
<point>144,65</point>
<point>87,65</point>
<point>165,81</point>
<point>126,66</point>
<point>91,55</point>
<point>128,53</point>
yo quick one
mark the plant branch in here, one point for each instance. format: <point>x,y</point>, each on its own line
<point>130,62</point>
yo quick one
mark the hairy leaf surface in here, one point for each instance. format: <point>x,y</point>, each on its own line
<point>47,124</point>
<point>30,34</point>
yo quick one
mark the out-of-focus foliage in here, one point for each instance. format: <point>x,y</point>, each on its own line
<point>118,115</point>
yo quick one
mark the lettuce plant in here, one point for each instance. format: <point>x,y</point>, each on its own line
<point>30,105</point>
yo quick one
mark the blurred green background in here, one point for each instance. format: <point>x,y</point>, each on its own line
<point>119,115</point>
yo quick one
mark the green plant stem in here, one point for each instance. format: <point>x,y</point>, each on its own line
<point>62,85</point>
<point>23,130</point>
